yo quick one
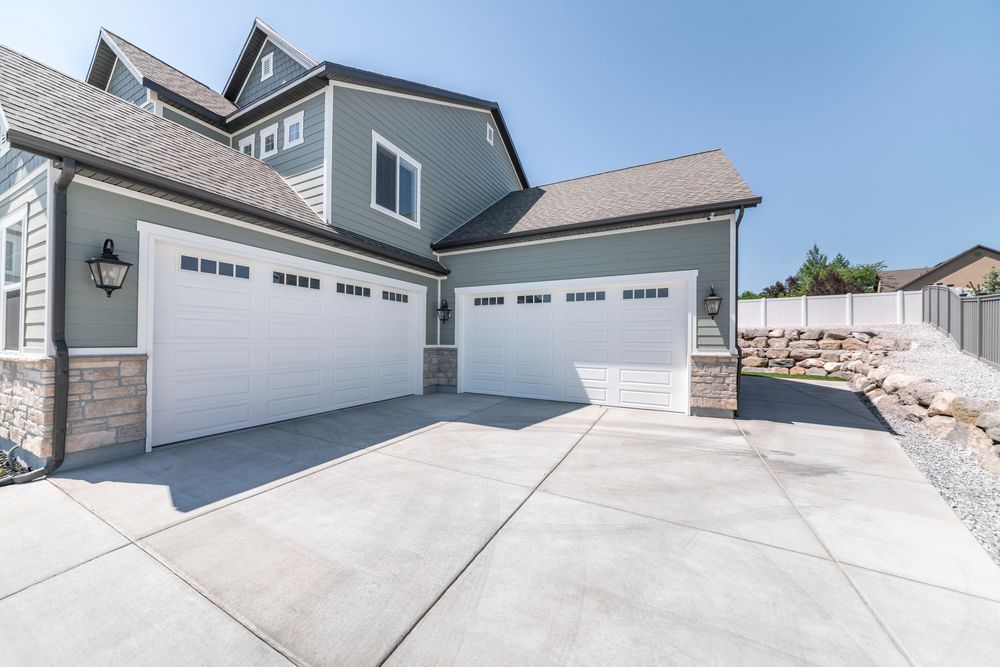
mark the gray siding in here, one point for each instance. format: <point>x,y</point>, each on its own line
<point>191,124</point>
<point>286,68</point>
<point>92,320</point>
<point>126,86</point>
<point>462,174</point>
<point>302,165</point>
<point>15,165</point>
<point>34,200</point>
<point>703,247</point>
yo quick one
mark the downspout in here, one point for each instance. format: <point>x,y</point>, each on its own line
<point>57,330</point>
<point>735,334</point>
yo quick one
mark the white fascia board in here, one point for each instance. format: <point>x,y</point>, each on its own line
<point>286,46</point>
<point>133,70</point>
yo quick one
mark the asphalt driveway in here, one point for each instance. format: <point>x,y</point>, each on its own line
<point>482,530</point>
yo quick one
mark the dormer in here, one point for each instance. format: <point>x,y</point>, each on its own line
<point>267,62</point>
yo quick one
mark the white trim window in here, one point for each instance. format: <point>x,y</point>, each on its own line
<point>269,141</point>
<point>12,259</point>
<point>267,66</point>
<point>294,129</point>
<point>489,134</point>
<point>246,145</point>
<point>395,182</point>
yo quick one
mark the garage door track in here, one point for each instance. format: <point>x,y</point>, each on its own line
<point>486,530</point>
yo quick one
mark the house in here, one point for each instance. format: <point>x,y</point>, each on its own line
<point>317,236</point>
<point>966,269</point>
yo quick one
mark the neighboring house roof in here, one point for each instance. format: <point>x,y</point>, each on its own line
<point>691,184</point>
<point>55,115</point>
<point>260,33</point>
<point>890,281</point>
<point>156,75</point>
<point>909,280</point>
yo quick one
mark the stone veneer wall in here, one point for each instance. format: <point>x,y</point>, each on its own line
<point>714,380</point>
<point>811,351</point>
<point>106,415</point>
<point>441,368</point>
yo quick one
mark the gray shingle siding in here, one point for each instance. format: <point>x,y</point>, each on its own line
<point>34,200</point>
<point>184,120</point>
<point>95,321</point>
<point>126,86</point>
<point>302,165</point>
<point>285,69</point>
<point>703,247</point>
<point>15,165</point>
<point>461,173</point>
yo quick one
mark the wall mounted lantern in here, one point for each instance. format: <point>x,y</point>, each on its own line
<point>107,270</point>
<point>444,311</point>
<point>712,303</point>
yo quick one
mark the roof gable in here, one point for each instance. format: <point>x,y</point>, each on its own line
<point>952,264</point>
<point>259,34</point>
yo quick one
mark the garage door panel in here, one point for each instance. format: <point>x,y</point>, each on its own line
<point>645,399</point>
<point>647,356</point>
<point>231,352</point>
<point>587,373</point>
<point>584,394</point>
<point>660,377</point>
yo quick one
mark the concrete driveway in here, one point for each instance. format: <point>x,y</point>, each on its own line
<point>480,530</point>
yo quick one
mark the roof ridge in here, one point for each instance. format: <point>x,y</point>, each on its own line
<point>635,166</point>
<point>160,60</point>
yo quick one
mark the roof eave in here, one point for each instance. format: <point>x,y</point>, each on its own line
<point>55,151</point>
<point>205,114</point>
<point>515,237</point>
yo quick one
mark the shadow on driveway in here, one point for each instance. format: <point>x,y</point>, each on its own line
<point>787,401</point>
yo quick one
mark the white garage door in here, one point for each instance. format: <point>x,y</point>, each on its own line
<point>612,343</point>
<point>238,342</point>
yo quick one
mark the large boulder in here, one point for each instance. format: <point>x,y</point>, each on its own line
<point>780,363</point>
<point>853,344</point>
<point>940,426</point>
<point>990,423</point>
<point>863,336</point>
<point>776,333</point>
<point>777,342</point>
<point>811,363</point>
<point>800,353</point>
<point>796,370</point>
<point>942,403</point>
<point>896,381</point>
<point>881,373</point>
<point>974,440</point>
<point>826,344</point>
<point>832,366</point>
<point>812,334</point>
<point>792,334</point>
<point>750,334</point>
<point>967,410</point>
<point>754,362</point>
<point>837,334</point>
<point>805,344</point>
<point>776,353</point>
<point>912,413</point>
<point>759,341</point>
<point>881,344</point>
<point>884,402</point>
<point>924,392</point>
<point>827,355</point>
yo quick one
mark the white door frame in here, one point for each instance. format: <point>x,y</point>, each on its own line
<point>689,277</point>
<point>151,233</point>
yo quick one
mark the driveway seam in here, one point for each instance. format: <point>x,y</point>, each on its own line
<point>68,569</point>
<point>864,599</point>
<point>985,598</point>
<point>460,472</point>
<point>489,540</point>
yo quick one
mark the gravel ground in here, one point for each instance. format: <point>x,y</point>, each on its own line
<point>5,467</point>
<point>972,491</point>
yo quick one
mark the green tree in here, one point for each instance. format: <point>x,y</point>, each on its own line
<point>992,284</point>
<point>747,294</point>
<point>820,275</point>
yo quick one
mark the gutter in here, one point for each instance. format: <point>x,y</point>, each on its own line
<point>57,330</point>
<point>736,321</point>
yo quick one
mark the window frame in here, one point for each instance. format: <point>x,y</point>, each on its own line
<point>269,59</point>
<point>489,134</point>
<point>299,118</point>
<point>400,154</point>
<point>266,132</point>
<point>248,141</point>
<point>4,144</point>
<point>17,217</point>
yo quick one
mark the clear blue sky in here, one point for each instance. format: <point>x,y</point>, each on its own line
<point>871,128</point>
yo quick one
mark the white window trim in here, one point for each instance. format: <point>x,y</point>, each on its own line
<point>489,134</point>
<point>19,216</point>
<point>291,120</point>
<point>269,59</point>
<point>267,131</point>
<point>4,144</point>
<point>378,139</point>
<point>248,141</point>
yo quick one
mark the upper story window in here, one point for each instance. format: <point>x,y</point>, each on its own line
<point>267,66</point>
<point>246,145</point>
<point>269,141</point>
<point>489,134</point>
<point>395,181</point>
<point>294,130</point>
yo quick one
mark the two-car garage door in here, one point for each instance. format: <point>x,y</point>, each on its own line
<point>616,341</point>
<point>240,340</point>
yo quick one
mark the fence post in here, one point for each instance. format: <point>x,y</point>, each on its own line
<point>850,309</point>
<point>979,325</point>
<point>805,311</point>
<point>900,316</point>
<point>763,311</point>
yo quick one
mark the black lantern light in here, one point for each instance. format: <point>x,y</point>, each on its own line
<point>444,311</point>
<point>107,270</point>
<point>712,303</point>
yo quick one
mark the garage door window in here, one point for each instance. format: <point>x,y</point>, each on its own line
<point>356,290</point>
<point>489,301</point>
<point>395,296</point>
<point>214,267</point>
<point>575,297</point>
<point>534,298</point>
<point>657,293</point>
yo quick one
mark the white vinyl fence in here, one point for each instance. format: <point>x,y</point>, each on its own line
<point>844,310</point>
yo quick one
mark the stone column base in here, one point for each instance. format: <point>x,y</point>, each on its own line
<point>440,369</point>
<point>714,382</point>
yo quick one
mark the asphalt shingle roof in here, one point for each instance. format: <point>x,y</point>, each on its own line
<point>663,188</point>
<point>173,79</point>
<point>890,281</point>
<point>54,114</point>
